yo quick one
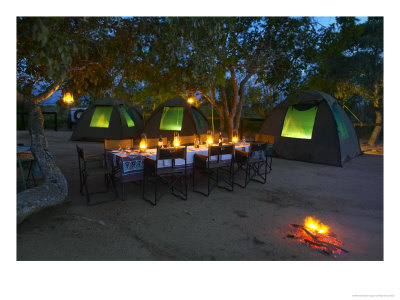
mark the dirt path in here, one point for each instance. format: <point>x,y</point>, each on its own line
<point>248,224</point>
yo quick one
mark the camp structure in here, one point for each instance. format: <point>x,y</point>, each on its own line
<point>311,126</point>
<point>175,115</point>
<point>108,119</point>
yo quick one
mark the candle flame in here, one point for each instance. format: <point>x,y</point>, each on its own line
<point>177,142</point>
<point>142,144</point>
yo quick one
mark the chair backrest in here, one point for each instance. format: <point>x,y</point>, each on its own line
<point>153,143</point>
<point>88,162</point>
<point>220,150</point>
<point>203,137</point>
<point>187,140</point>
<point>115,144</point>
<point>256,146</point>
<point>258,150</point>
<point>171,153</point>
<point>264,138</point>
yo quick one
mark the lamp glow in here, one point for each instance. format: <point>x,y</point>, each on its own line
<point>143,143</point>
<point>209,137</point>
<point>68,98</point>
<point>235,137</point>
<point>191,100</point>
<point>177,140</point>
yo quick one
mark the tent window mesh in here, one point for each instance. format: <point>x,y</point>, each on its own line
<point>101,116</point>
<point>344,134</point>
<point>199,119</point>
<point>299,122</point>
<point>128,117</point>
<point>171,118</point>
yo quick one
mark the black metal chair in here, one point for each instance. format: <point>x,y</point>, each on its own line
<point>169,175</point>
<point>253,162</point>
<point>216,169</point>
<point>93,165</point>
<point>270,139</point>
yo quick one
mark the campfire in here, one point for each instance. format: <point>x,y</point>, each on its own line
<point>317,235</point>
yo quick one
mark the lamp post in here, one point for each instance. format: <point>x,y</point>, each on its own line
<point>68,99</point>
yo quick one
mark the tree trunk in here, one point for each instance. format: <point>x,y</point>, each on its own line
<point>54,189</point>
<point>230,127</point>
<point>238,111</point>
<point>377,130</point>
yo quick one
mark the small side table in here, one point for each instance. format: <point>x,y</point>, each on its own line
<point>25,156</point>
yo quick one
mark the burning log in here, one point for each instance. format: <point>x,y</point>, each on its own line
<point>318,236</point>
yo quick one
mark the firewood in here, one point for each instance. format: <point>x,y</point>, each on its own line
<point>316,240</point>
<point>311,243</point>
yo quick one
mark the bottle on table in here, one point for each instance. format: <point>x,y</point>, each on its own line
<point>220,139</point>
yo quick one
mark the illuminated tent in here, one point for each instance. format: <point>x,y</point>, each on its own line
<point>311,126</point>
<point>108,119</point>
<point>175,115</point>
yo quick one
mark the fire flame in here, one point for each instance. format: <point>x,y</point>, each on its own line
<point>315,226</point>
<point>317,235</point>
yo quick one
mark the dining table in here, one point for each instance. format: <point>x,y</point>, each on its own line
<point>128,165</point>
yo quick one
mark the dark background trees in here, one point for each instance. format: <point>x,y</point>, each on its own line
<point>349,65</point>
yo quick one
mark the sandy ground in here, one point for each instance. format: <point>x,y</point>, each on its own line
<point>247,224</point>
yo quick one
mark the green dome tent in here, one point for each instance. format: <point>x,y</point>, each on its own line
<point>311,126</point>
<point>175,115</point>
<point>108,119</point>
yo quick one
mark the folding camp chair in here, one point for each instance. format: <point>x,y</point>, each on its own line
<point>270,139</point>
<point>116,144</point>
<point>165,170</point>
<point>187,140</point>
<point>252,162</point>
<point>153,143</point>
<point>216,168</point>
<point>92,165</point>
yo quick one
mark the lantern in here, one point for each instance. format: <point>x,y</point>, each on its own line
<point>191,100</point>
<point>177,140</point>
<point>68,98</point>
<point>235,137</point>
<point>143,143</point>
<point>160,142</point>
<point>209,137</point>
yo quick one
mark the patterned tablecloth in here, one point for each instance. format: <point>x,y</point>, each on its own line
<point>129,164</point>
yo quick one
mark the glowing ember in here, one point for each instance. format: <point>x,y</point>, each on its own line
<point>317,235</point>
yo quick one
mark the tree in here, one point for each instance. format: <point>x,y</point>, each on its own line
<point>217,57</point>
<point>54,53</point>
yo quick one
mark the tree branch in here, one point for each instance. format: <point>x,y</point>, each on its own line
<point>48,92</point>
